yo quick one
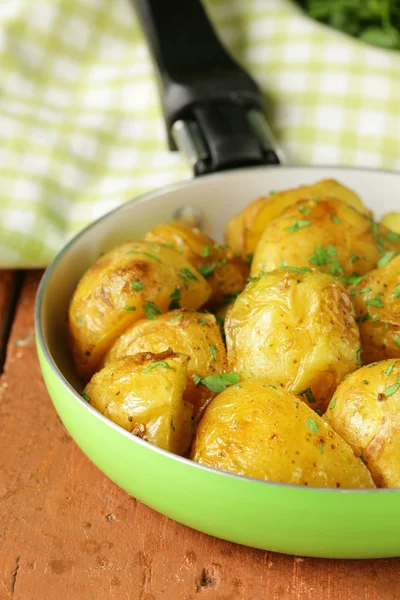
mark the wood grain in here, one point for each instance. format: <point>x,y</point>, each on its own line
<point>68,533</point>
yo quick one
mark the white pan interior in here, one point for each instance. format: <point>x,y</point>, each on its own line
<point>217,196</point>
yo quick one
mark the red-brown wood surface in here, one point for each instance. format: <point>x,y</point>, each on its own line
<point>68,533</point>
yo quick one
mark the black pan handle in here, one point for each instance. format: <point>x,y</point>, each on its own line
<point>212,107</point>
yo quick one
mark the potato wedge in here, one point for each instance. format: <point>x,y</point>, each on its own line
<point>143,394</point>
<point>377,302</point>
<point>295,330</point>
<point>328,234</point>
<point>133,281</point>
<point>227,274</point>
<point>244,230</point>
<point>256,430</point>
<point>365,411</point>
<point>192,333</point>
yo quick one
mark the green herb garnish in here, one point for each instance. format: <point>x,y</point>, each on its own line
<point>358,357</point>
<point>353,257</point>
<point>392,389</point>
<point>186,274</point>
<point>332,404</point>
<point>308,394</point>
<point>175,299</point>
<point>299,224</point>
<point>392,236</point>
<point>149,255</point>
<point>362,318</point>
<point>397,291</point>
<point>386,258</point>
<point>390,369</point>
<point>85,396</point>
<point>219,382</point>
<point>129,307</point>
<point>206,251</point>
<point>305,210</point>
<point>312,425</point>
<point>151,310</point>
<point>157,363</point>
<point>213,350</point>
<point>207,270</point>
<point>364,290</point>
<point>172,424</point>
<point>375,302</point>
<point>177,317</point>
<point>296,269</point>
<point>137,286</point>
<point>397,340</point>
<point>336,219</point>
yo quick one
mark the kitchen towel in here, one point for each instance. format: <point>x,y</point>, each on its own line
<point>81,129</point>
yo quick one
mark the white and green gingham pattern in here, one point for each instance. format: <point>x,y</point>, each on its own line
<point>80,122</point>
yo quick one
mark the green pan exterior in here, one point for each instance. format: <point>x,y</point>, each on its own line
<point>281,518</point>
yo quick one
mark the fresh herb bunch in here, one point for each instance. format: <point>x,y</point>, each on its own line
<point>376,22</point>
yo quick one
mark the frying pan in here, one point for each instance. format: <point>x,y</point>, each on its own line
<point>213,113</point>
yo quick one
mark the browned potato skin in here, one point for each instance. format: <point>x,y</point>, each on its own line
<point>98,314</point>
<point>296,330</point>
<point>379,325</point>
<point>147,403</point>
<point>254,430</point>
<point>369,421</point>
<point>244,230</point>
<point>333,222</point>
<point>186,332</point>
<point>226,279</point>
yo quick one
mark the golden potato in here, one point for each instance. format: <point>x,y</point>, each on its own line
<point>227,274</point>
<point>328,234</point>
<point>377,302</point>
<point>365,411</point>
<point>392,222</point>
<point>133,281</point>
<point>297,330</point>
<point>256,430</point>
<point>143,394</point>
<point>245,229</point>
<point>194,334</point>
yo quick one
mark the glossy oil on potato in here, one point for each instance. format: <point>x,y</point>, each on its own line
<point>377,302</point>
<point>257,431</point>
<point>192,333</point>
<point>297,330</point>
<point>143,394</point>
<point>328,234</point>
<point>365,411</point>
<point>245,229</point>
<point>227,274</point>
<point>116,291</point>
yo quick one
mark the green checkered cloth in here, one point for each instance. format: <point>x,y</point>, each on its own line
<point>80,121</point>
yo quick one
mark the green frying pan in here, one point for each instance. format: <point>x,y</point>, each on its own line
<point>283,518</point>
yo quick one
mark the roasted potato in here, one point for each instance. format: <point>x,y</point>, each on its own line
<point>245,229</point>
<point>256,430</point>
<point>377,302</point>
<point>133,281</point>
<point>194,334</point>
<point>365,411</point>
<point>328,234</point>
<point>392,222</point>
<point>227,274</point>
<point>296,330</point>
<point>143,394</point>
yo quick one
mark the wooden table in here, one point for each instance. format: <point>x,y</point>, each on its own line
<point>68,533</point>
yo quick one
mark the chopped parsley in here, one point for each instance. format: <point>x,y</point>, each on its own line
<point>177,317</point>
<point>79,319</point>
<point>219,382</point>
<point>397,340</point>
<point>353,257</point>
<point>149,255</point>
<point>362,318</point>
<point>221,321</point>
<point>201,321</point>
<point>363,290</point>
<point>175,299</point>
<point>308,394</point>
<point>272,386</point>
<point>335,219</point>
<point>362,459</point>
<point>392,389</point>
<point>299,224</point>
<point>377,301</point>
<point>206,251</point>
<point>321,447</point>
<point>376,319</point>
<point>296,269</point>
<point>172,424</point>
<point>305,210</point>
<point>392,236</point>
<point>157,363</point>
<point>129,307</point>
<point>332,404</point>
<point>236,423</point>
<point>336,268</point>
<point>386,258</point>
<point>319,257</point>
<point>390,369</point>
<point>312,425</point>
<point>151,310</point>
<point>354,279</point>
<point>207,270</point>
<point>187,274</point>
<point>365,382</point>
<point>137,286</point>
<point>86,396</point>
<point>358,357</point>
<point>397,291</point>
<point>213,350</point>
